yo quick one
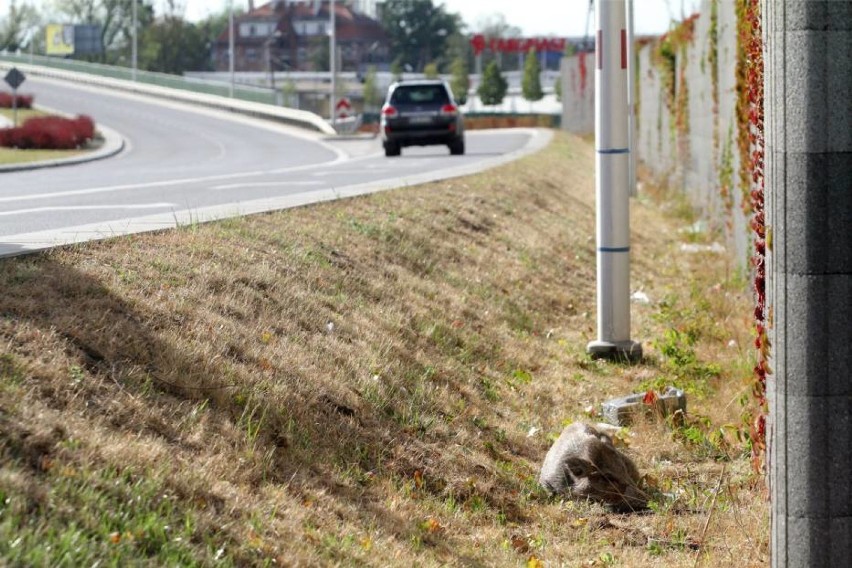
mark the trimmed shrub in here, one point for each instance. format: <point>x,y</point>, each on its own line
<point>49,133</point>
<point>24,101</point>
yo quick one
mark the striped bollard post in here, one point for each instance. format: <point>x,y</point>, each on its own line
<point>612,180</point>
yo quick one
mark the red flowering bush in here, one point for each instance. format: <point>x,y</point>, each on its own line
<point>24,101</point>
<point>49,133</point>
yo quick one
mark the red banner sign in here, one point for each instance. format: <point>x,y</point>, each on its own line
<point>517,44</point>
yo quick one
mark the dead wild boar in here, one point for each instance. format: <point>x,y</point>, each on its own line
<point>584,462</point>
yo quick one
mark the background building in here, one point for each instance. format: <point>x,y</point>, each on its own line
<point>292,35</point>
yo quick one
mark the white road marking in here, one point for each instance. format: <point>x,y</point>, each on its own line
<point>164,183</point>
<point>365,170</point>
<point>264,184</point>
<point>89,208</point>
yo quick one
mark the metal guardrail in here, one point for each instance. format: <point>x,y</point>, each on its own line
<point>241,92</point>
<point>168,87</point>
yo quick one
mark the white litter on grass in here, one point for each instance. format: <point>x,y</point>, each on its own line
<point>695,229</point>
<point>693,248</point>
<point>640,297</point>
<point>732,343</point>
<point>329,326</point>
<point>533,431</point>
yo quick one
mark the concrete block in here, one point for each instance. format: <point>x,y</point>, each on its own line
<point>775,95</point>
<point>840,537</point>
<point>776,197</point>
<point>806,544</point>
<point>840,468</point>
<point>806,112</point>
<point>625,410</point>
<point>818,213</point>
<point>807,451</point>
<point>819,464</point>
<point>817,324</point>
<point>839,78</point>
<point>831,15</point>
<point>817,542</point>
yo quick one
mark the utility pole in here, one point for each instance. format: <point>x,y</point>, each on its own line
<point>231,46</point>
<point>612,171</point>
<point>631,100</point>
<point>332,61</point>
<point>134,58</point>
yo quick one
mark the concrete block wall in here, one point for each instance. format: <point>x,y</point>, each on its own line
<point>577,74</point>
<point>808,68</point>
<point>694,164</point>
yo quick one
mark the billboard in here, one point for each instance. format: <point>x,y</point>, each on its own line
<point>87,40</point>
<point>59,40</point>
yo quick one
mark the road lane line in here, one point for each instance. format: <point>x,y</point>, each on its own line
<point>89,208</point>
<point>163,183</point>
<point>264,184</point>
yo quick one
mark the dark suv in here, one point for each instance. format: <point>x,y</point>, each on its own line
<point>421,113</point>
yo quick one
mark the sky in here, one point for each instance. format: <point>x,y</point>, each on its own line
<point>534,17</point>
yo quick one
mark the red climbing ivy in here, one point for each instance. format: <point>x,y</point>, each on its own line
<point>751,146</point>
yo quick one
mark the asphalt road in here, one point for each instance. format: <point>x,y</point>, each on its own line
<point>184,165</point>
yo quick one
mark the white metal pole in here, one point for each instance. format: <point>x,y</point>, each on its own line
<point>332,61</point>
<point>613,214</point>
<point>631,99</point>
<point>135,49</point>
<point>231,54</point>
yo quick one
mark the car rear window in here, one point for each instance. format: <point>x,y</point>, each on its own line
<point>420,95</point>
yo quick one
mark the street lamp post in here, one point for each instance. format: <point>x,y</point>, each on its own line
<point>231,46</point>
<point>332,57</point>
<point>134,59</point>
<point>270,60</point>
<point>612,167</point>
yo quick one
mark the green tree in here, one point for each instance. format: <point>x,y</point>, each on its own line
<point>531,82</point>
<point>431,71</point>
<point>492,89</point>
<point>18,21</point>
<point>173,45</point>
<point>557,88</point>
<point>396,69</point>
<point>372,97</point>
<point>419,30</point>
<point>320,59</point>
<point>460,81</point>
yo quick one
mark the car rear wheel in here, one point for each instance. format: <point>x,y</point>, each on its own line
<point>457,147</point>
<point>392,149</point>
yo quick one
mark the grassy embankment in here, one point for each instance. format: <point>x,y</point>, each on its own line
<point>370,382</point>
<point>10,156</point>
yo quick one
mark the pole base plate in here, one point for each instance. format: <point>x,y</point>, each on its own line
<point>630,351</point>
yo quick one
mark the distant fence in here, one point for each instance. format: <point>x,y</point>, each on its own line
<point>207,87</point>
<point>294,117</point>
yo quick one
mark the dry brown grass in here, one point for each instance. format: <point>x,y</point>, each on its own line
<point>369,382</point>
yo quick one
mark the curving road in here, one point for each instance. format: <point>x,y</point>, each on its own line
<point>183,164</point>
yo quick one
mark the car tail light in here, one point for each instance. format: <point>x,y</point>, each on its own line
<point>449,110</point>
<point>389,111</point>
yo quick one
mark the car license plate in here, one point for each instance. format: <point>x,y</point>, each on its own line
<point>420,120</point>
